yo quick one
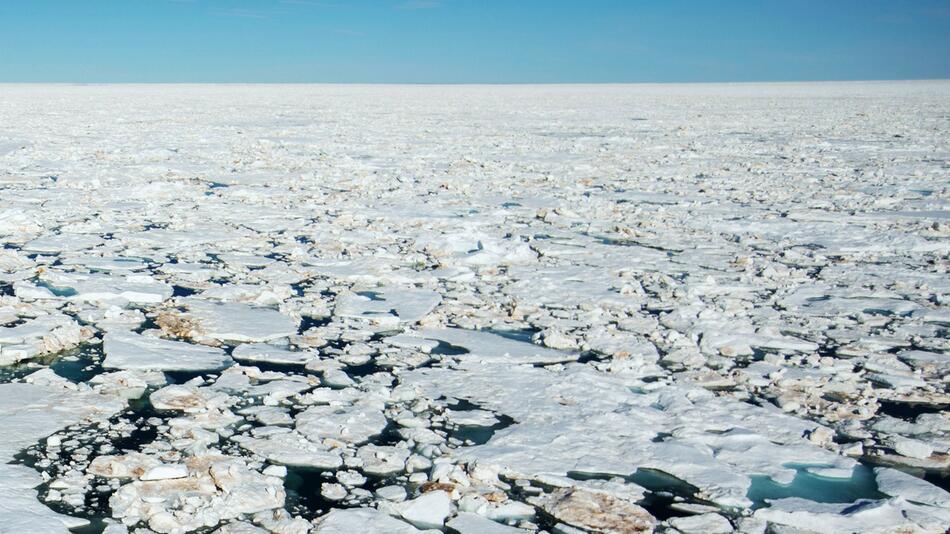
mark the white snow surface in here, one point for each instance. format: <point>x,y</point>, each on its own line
<point>572,288</point>
<point>128,350</point>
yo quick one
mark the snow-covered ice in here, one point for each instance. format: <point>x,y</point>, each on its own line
<point>128,350</point>
<point>559,309</point>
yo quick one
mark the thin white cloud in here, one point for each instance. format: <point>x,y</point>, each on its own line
<point>348,33</point>
<point>310,3</point>
<point>420,4</point>
<point>243,13</point>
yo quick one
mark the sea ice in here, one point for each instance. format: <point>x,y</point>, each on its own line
<point>365,520</point>
<point>262,352</point>
<point>500,309</point>
<point>239,323</point>
<point>491,347</point>
<point>127,350</point>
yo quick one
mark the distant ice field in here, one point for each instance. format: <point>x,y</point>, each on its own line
<point>475,309</point>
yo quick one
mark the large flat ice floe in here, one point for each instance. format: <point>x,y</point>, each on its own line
<point>235,322</point>
<point>551,309</point>
<point>128,350</point>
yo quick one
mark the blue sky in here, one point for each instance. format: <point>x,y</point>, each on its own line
<point>472,41</point>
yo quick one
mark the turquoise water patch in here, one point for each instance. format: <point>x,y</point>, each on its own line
<point>57,291</point>
<point>861,485</point>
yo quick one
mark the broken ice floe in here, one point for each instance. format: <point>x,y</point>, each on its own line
<point>574,309</point>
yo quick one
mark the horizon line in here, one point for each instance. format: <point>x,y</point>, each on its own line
<point>442,84</point>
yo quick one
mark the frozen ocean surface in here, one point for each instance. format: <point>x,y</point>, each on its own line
<point>475,309</point>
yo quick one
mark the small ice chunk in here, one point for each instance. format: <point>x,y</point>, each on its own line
<point>292,449</point>
<point>279,471</point>
<point>44,335</point>
<point>383,460</point>
<point>391,493</point>
<point>333,492</point>
<point>351,424</point>
<point>911,448</point>
<point>165,472</point>
<point>428,510</point>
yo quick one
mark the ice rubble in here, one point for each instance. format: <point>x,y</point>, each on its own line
<point>204,493</point>
<point>558,309</point>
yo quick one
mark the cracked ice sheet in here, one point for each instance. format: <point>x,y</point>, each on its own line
<point>489,347</point>
<point>582,421</point>
<point>136,289</point>
<point>405,305</point>
<point>553,286</point>
<point>884,516</point>
<point>522,212</point>
<point>826,301</point>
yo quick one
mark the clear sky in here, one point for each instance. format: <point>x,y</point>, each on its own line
<point>472,41</point>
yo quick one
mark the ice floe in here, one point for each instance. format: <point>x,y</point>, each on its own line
<point>695,308</point>
<point>128,350</point>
